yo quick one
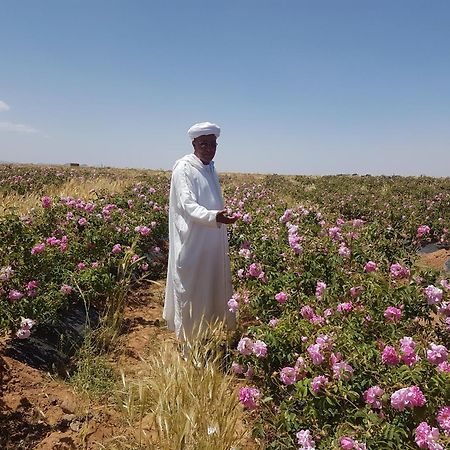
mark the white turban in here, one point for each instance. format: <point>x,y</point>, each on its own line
<point>202,129</point>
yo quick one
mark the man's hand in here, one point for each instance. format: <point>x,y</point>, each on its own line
<point>222,217</point>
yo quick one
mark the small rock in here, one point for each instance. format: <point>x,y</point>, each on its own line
<point>75,425</point>
<point>68,417</point>
<point>68,405</point>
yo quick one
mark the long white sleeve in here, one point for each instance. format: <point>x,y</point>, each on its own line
<point>187,200</point>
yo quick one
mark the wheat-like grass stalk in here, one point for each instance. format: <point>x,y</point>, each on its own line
<point>185,402</point>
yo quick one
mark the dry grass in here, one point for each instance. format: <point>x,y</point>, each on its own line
<point>84,182</point>
<point>85,189</point>
<point>184,404</point>
<point>19,204</point>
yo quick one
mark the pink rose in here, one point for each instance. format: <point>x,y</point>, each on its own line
<point>66,289</point>
<point>288,375</point>
<point>347,443</point>
<point>389,356</point>
<point>437,354</point>
<point>281,297</point>
<point>370,267</point>
<point>392,314</point>
<point>259,349</point>
<point>116,249</point>
<point>46,202</point>
<point>38,249</point>
<point>249,397</point>
<point>318,383</point>
<point>233,305</point>
<point>423,230</point>
<point>320,289</point>
<point>410,397</point>
<point>15,295</point>
<point>245,346</point>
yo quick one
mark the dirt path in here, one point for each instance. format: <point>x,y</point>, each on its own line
<point>436,259</point>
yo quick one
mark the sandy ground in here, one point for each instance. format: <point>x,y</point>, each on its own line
<point>435,259</point>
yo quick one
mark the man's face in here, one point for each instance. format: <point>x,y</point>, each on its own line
<point>205,147</point>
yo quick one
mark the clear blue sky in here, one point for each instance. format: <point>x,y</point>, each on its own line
<point>298,86</point>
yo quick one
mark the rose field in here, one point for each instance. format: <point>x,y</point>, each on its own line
<point>343,322</point>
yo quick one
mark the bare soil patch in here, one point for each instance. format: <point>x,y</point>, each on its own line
<point>436,259</point>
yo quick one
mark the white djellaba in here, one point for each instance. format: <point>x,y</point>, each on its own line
<point>198,275</point>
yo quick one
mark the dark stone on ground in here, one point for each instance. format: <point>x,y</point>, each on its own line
<point>430,248</point>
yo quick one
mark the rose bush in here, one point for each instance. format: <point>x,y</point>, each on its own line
<point>63,251</point>
<point>332,282</point>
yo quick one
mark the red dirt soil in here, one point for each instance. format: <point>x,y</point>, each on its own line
<point>435,260</point>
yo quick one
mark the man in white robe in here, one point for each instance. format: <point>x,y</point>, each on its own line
<point>198,275</point>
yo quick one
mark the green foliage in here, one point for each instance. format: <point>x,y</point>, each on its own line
<point>93,375</point>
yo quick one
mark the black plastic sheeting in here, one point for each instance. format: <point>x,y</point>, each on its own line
<point>51,345</point>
